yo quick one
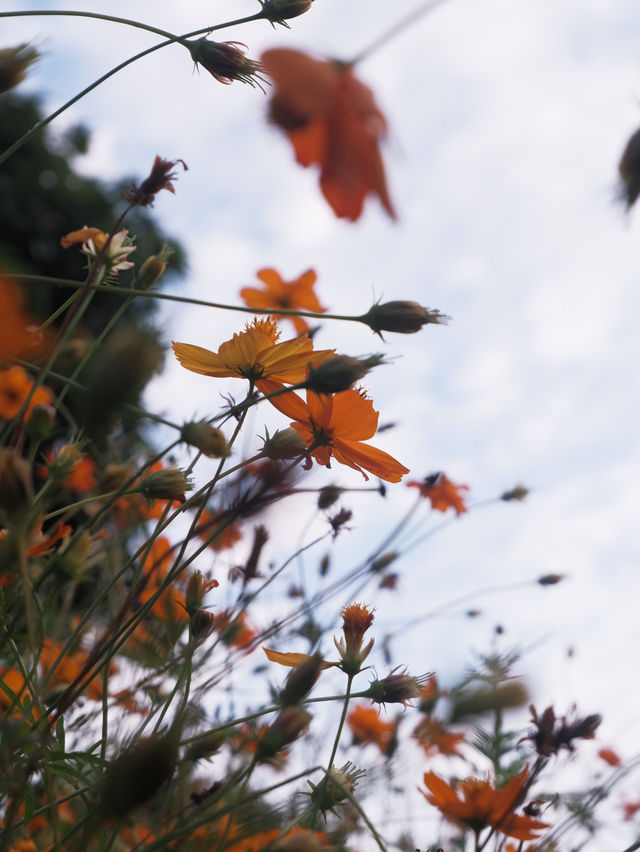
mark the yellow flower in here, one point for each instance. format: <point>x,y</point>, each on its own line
<point>254,354</point>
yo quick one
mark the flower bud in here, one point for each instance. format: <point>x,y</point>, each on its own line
<point>115,476</point>
<point>518,492</point>
<point>278,11</point>
<point>208,439</point>
<point>336,786</point>
<point>16,486</point>
<point>283,444</point>
<point>301,680</point>
<point>14,63</point>
<point>550,579</point>
<point>153,268</point>
<point>629,171</point>
<point>328,496</point>
<point>339,373</point>
<point>285,729</point>
<point>41,422</point>
<point>197,588</point>
<point>167,484</point>
<point>378,565</point>
<point>400,688</point>
<point>202,624</point>
<point>63,462</point>
<point>207,745</point>
<point>134,776</point>
<point>224,60</point>
<point>403,317</point>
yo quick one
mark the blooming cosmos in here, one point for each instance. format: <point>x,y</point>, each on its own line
<point>482,805</point>
<point>336,426</point>
<point>332,120</point>
<point>254,354</point>
<point>290,295</point>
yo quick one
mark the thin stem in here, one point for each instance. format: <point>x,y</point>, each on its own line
<point>345,707</point>
<point>99,15</point>
<point>396,29</point>
<point>45,121</point>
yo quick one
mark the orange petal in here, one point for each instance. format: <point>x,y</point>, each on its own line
<point>291,659</point>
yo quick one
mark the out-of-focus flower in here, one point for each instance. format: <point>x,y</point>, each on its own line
<point>160,177</point>
<point>482,805</point>
<point>402,317</point>
<point>398,687</point>
<point>340,372</point>
<point>610,756</point>
<point>94,240</point>
<point>551,734</point>
<point>332,120</point>
<point>442,493</point>
<point>367,727</point>
<point>14,64</point>
<point>15,387</point>
<point>254,354</point>
<point>153,267</point>
<point>138,772</point>
<point>17,338</point>
<point>218,529</point>
<point>207,438</point>
<point>68,668</point>
<point>335,788</point>
<point>234,629</point>
<point>435,739</point>
<point>283,444</point>
<point>290,295</point>
<point>170,483</point>
<point>169,605</point>
<point>15,695</point>
<point>518,492</point>
<point>226,61</point>
<point>41,543</point>
<point>301,680</point>
<point>336,427</point>
<point>630,809</point>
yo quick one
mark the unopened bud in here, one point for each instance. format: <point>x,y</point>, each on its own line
<point>153,268</point>
<point>396,688</point>
<point>208,439</point>
<point>283,444</point>
<point>288,725</point>
<point>550,579</point>
<point>202,624</point>
<point>477,702</point>
<point>197,588</point>
<point>167,484</point>
<point>340,372</point>
<point>225,60</point>
<point>629,171</point>
<point>382,562</point>
<point>403,317</point>
<point>41,421</point>
<point>301,680</point>
<point>328,496</point>
<point>518,492</point>
<point>14,64</point>
<point>63,462</point>
<point>207,745</point>
<point>278,11</point>
<point>16,486</point>
<point>138,773</point>
<point>115,476</point>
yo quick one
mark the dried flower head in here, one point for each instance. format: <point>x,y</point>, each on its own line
<point>160,177</point>
<point>14,64</point>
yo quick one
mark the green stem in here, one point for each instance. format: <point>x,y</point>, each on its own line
<point>45,121</point>
<point>345,707</point>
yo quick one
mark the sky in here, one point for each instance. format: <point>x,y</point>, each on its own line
<point>507,120</point>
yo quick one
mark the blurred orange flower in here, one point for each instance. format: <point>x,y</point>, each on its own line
<point>332,120</point>
<point>367,727</point>
<point>12,683</point>
<point>15,386</point>
<point>442,493</point>
<point>235,630</point>
<point>218,529</point>
<point>290,295</point>
<point>610,756</point>
<point>254,354</point>
<point>16,336</point>
<point>482,805</point>
<point>69,668</point>
<point>170,603</point>
<point>336,426</point>
<point>435,739</point>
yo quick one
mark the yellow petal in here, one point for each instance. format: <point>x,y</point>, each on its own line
<point>292,659</point>
<point>202,361</point>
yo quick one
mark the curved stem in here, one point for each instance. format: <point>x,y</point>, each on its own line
<point>99,15</point>
<point>43,122</point>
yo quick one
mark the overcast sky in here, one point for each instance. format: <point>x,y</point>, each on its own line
<point>507,120</point>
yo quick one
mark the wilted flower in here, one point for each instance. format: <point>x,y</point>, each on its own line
<point>332,120</point>
<point>402,317</point>
<point>160,177</point>
<point>225,60</point>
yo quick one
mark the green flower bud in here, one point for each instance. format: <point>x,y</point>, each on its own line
<point>340,372</point>
<point>403,317</point>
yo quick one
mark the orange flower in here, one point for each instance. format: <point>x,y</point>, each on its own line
<point>218,529</point>
<point>254,354</point>
<point>16,338</point>
<point>15,386</point>
<point>367,727</point>
<point>442,493</point>
<point>291,295</point>
<point>332,120</point>
<point>610,756</point>
<point>435,739</point>
<point>170,604</point>
<point>482,805</point>
<point>235,630</point>
<point>69,668</point>
<point>336,426</point>
<point>12,684</point>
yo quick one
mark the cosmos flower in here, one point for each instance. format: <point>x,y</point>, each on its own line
<point>332,120</point>
<point>290,295</point>
<point>254,354</point>
<point>15,386</point>
<point>335,426</point>
<point>442,493</point>
<point>482,805</point>
<point>17,337</point>
<point>367,727</point>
